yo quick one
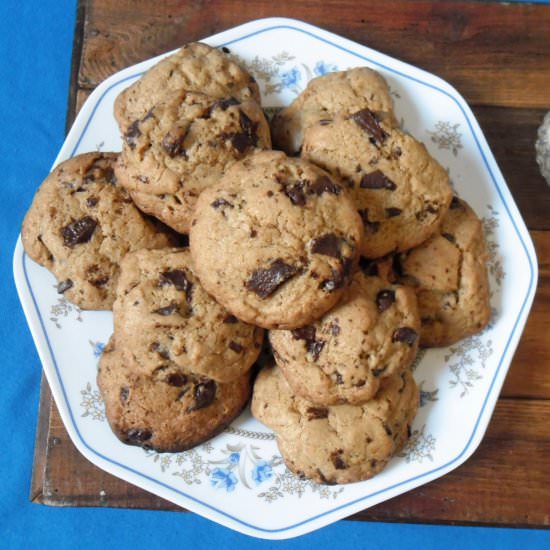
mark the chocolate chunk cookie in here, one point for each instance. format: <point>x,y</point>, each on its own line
<point>343,357</point>
<point>163,313</point>
<point>449,274</point>
<point>400,191</point>
<point>325,96</point>
<point>276,241</point>
<point>80,225</point>
<point>340,443</point>
<point>170,410</point>
<point>183,145</point>
<point>196,68</point>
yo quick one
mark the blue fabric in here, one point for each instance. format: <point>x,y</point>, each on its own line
<point>35,47</point>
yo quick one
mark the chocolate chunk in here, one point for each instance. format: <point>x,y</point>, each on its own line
<point>172,142</point>
<point>323,184</point>
<point>237,348</point>
<point>338,378</point>
<point>377,180</point>
<point>98,171</point>
<point>325,121</point>
<point>253,233</point>
<point>308,334</point>
<point>63,286</point>
<point>392,212</point>
<point>100,282</point>
<point>339,277</point>
<point>404,334</point>
<point>178,278</point>
<point>388,429</point>
<point>138,435</point>
<point>79,231</point>
<point>328,245</point>
<point>449,237</point>
<point>132,134</point>
<point>294,191</point>
<point>225,49</point>
<point>324,479</point>
<point>384,299</point>
<point>370,227</point>
<point>223,104</point>
<point>264,282</point>
<point>124,393</point>
<point>248,137</point>
<point>230,319</point>
<point>315,413</point>
<point>337,461</point>
<point>368,121</point>
<point>167,310</point>
<point>177,379</point>
<point>335,328</point>
<point>397,151</point>
<point>204,394</point>
<point>455,203</point>
<point>219,202</point>
<point>92,201</point>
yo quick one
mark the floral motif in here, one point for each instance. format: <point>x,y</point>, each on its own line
<point>93,404</point>
<point>426,396</point>
<point>447,136</point>
<point>287,483</point>
<point>494,263</point>
<point>418,359</point>
<point>267,70</point>
<point>223,479</point>
<point>290,78</point>
<point>471,354</point>
<point>322,67</point>
<point>97,348</point>
<point>62,309</point>
<point>419,446</point>
<point>239,465</point>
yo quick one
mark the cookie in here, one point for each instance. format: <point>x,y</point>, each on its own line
<point>340,443</point>
<point>163,313</point>
<point>183,145</point>
<point>345,356</point>
<point>400,191</point>
<point>81,224</point>
<point>449,274</point>
<point>325,96</point>
<point>195,67</point>
<point>275,241</point>
<point>169,411</point>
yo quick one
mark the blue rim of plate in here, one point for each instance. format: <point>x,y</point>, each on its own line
<point>448,464</point>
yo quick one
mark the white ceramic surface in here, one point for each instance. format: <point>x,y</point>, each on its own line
<point>238,478</point>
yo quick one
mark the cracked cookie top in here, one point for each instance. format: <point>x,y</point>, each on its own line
<point>343,357</point>
<point>81,224</point>
<point>275,241</point>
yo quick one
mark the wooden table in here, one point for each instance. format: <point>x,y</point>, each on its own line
<point>498,57</point>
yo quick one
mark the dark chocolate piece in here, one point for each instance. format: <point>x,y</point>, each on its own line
<point>377,180</point>
<point>368,121</point>
<point>264,282</point>
<point>63,286</point>
<point>384,299</point>
<point>404,334</point>
<point>79,231</point>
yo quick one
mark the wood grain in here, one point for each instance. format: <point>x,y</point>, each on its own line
<point>494,54</point>
<point>504,483</point>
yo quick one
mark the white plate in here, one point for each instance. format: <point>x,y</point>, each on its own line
<point>238,478</point>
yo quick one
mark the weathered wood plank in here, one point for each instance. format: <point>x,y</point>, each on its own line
<point>514,450</point>
<point>493,53</point>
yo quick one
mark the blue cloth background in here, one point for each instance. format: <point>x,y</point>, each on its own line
<point>35,47</point>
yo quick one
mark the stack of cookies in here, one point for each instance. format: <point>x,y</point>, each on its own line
<point>346,245</point>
